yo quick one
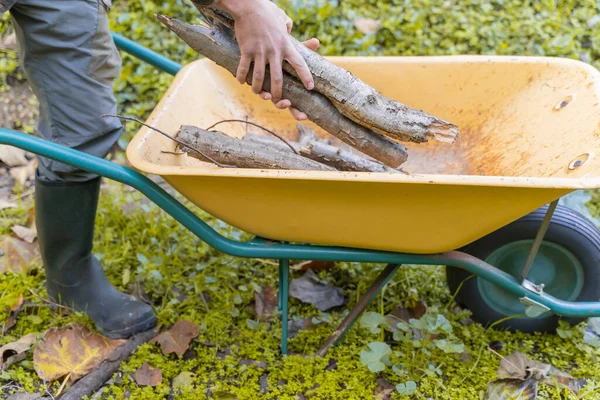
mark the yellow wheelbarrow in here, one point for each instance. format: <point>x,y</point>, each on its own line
<point>485,206</point>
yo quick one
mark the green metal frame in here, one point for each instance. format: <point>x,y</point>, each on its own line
<point>265,249</point>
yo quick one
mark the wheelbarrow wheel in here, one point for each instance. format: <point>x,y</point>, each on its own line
<point>568,264</point>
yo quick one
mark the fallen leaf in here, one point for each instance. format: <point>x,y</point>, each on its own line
<point>148,376</point>
<point>12,156</point>
<point>177,339</point>
<point>9,42</point>
<point>509,389</point>
<point>310,289</point>
<point>295,326</point>
<point>72,351</point>
<point>17,254</point>
<point>18,303</point>
<point>5,204</point>
<point>27,234</point>
<point>263,383</point>
<point>519,366</point>
<point>315,265</point>
<point>265,302</point>
<point>384,389</point>
<point>366,25</point>
<point>403,314</point>
<point>25,173</point>
<point>8,324</point>
<point>16,351</point>
<point>184,380</point>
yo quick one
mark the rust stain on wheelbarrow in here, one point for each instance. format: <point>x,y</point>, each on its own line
<point>529,134</point>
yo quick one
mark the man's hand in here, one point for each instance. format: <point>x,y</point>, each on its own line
<point>263,34</point>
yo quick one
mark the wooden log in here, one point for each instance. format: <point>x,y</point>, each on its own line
<point>357,100</point>
<point>271,143</point>
<point>342,160</point>
<point>234,152</point>
<point>222,49</point>
<point>324,153</point>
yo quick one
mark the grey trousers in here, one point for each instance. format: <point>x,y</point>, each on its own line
<point>71,62</point>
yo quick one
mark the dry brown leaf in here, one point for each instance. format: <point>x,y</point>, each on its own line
<point>12,156</point>
<point>18,303</point>
<point>8,324</point>
<point>72,351</point>
<point>384,389</point>
<point>5,204</point>
<point>518,366</point>
<point>16,351</point>
<point>265,302</point>
<point>314,265</point>
<point>24,173</point>
<point>148,376</point>
<point>17,255</point>
<point>177,339</point>
<point>9,42</point>
<point>27,234</point>
<point>366,25</point>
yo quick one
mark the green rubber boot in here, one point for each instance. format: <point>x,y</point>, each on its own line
<point>65,216</point>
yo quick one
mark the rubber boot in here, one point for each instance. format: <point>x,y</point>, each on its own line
<point>65,216</point>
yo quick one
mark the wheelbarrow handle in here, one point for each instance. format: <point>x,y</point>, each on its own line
<point>145,54</point>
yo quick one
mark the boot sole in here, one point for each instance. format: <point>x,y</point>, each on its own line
<point>132,330</point>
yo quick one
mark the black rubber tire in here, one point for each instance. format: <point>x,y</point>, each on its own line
<point>568,229</point>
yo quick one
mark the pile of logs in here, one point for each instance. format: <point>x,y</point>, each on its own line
<point>260,151</point>
<point>340,103</point>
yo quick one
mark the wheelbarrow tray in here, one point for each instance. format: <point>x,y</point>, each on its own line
<point>529,126</point>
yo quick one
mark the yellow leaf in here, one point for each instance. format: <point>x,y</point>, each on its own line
<point>72,351</point>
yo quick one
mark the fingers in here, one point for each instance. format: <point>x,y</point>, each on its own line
<point>296,60</point>
<point>276,78</point>
<point>283,104</point>
<point>298,115</point>
<point>258,76</point>
<point>265,95</point>
<point>289,24</point>
<point>243,68</point>
<point>312,44</point>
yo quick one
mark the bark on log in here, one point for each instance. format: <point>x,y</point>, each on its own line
<point>223,50</point>
<point>358,101</point>
<point>324,153</point>
<point>342,160</point>
<point>243,154</point>
<point>95,379</point>
<point>271,143</point>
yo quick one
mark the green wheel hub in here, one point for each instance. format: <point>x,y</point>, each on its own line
<point>554,266</point>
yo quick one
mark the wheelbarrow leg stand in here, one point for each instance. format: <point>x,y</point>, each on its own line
<point>360,306</point>
<point>284,277</point>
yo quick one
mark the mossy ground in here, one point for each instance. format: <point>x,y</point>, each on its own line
<point>140,245</point>
<point>144,250</point>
